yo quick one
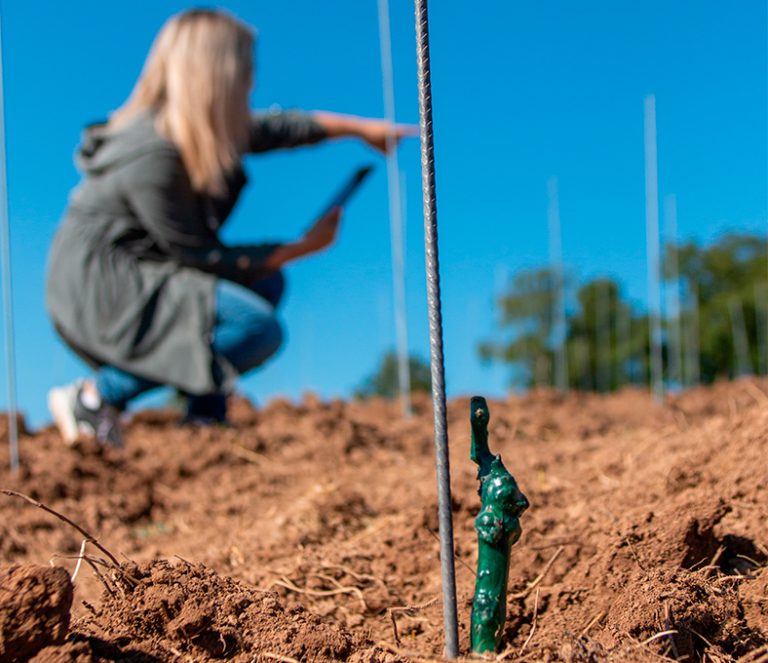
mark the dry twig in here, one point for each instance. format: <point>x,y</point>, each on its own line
<point>634,554</point>
<point>753,562</point>
<point>532,585</point>
<point>716,558</point>
<point>355,575</point>
<point>89,537</point>
<point>533,623</point>
<point>406,609</point>
<point>285,582</point>
<point>276,657</point>
<point>508,651</point>
<point>722,579</point>
<point>668,626</point>
<point>79,560</point>
<point>594,621</point>
<point>654,637</point>
<point>637,644</point>
<point>349,589</point>
<point>696,633</point>
<point>251,456</point>
<point>99,575</point>
<point>415,656</point>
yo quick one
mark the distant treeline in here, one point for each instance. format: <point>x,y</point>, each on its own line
<point>715,327</point>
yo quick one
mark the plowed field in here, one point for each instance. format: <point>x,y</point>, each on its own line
<point>308,532</point>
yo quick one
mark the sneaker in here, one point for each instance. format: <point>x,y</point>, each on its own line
<point>74,419</point>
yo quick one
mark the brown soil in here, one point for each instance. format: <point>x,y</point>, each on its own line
<point>307,532</point>
<point>34,609</point>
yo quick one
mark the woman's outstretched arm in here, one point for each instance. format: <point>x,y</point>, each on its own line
<point>379,134</point>
<point>284,129</point>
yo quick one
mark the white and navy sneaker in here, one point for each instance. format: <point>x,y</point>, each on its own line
<point>74,419</point>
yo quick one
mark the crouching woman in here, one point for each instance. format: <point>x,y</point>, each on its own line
<point>139,283</point>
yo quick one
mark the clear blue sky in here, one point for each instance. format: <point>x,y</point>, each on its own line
<point>522,92</point>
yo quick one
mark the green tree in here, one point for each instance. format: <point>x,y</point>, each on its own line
<point>607,340</point>
<point>723,321</point>
<point>384,381</point>
<point>727,284</point>
<point>526,318</point>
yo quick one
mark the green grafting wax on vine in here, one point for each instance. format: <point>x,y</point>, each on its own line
<point>498,528</point>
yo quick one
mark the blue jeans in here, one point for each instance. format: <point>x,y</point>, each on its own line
<point>246,333</point>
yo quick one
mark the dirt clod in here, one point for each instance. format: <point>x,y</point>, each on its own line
<point>34,609</point>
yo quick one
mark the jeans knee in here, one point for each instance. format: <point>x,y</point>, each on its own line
<point>247,331</point>
<point>264,341</point>
<point>272,337</point>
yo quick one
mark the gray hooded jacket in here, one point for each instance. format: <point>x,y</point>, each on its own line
<point>134,264</point>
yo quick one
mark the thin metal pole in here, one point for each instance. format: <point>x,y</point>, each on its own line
<point>10,344</point>
<point>652,243</point>
<point>761,290</point>
<point>742,363</point>
<point>395,214</point>
<point>603,333</point>
<point>673,294</point>
<point>693,360</point>
<point>558,301</point>
<point>450,620</point>
<point>501,281</point>
<point>623,342</point>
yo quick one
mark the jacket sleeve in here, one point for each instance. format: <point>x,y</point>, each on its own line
<point>275,130</point>
<point>158,191</point>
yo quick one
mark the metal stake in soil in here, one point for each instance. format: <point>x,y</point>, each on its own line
<point>652,243</point>
<point>5,259</point>
<point>558,301</point>
<point>673,294</point>
<point>498,528</point>
<point>436,334</point>
<point>395,215</point>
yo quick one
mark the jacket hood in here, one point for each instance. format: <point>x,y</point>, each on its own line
<point>103,148</point>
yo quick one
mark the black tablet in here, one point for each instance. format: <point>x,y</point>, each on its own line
<point>350,186</point>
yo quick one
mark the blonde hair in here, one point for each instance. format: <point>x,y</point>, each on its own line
<point>196,81</point>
